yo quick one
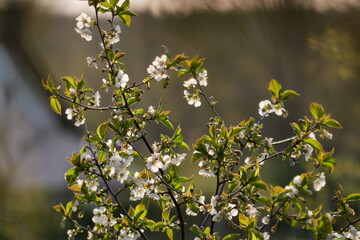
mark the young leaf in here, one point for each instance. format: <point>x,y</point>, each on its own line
<point>231,236</point>
<point>275,88</point>
<point>55,104</point>
<point>332,123</point>
<point>317,110</point>
<point>170,233</point>
<point>101,130</point>
<point>353,197</point>
<point>288,94</point>
<point>314,143</point>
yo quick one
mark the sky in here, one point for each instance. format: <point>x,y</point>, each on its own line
<point>157,7</point>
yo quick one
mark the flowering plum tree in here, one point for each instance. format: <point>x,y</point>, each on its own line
<point>103,176</point>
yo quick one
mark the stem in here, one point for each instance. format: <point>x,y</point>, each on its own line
<point>87,107</point>
<point>284,140</point>
<point>177,206</point>
<point>205,96</point>
<point>349,224</point>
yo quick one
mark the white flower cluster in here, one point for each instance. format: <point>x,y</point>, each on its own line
<point>319,182</point>
<point>158,69</point>
<point>121,79</point>
<point>194,98</point>
<point>352,233</point>
<point>114,36</point>
<point>91,184</point>
<point>156,161</point>
<point>83,26</point>
<point>92,62</point>
<point>101,218</point>
<point>97,97</point>
<point>142,187</point>
<point>266,107</point>
<point>74,113</point>
<point>118,167</point>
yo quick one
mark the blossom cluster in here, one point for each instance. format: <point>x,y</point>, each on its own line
<point>158,69</point>
<point>193,98</point>
<point>83,26</point>
<point>267,107</point>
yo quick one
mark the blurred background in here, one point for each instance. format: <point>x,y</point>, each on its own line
<point>312,47</point>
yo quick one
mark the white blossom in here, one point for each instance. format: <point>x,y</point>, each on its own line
<point>279,110</point>
<point>190,212</point>
<point>83,25</point>
<point>154,163</point>
<point>352,233</point>
<point>190,83</point>
<point>265,220</point>
<point>121,79</point>
<point>233,212</point>
<point>97,99</point>
<point>319,182</point>
<point>192,99</point>
<point>298,180</point>
<point>72,91</point>
<point>151,110</point>
<point>206,173</point>
<point>335,236</point>
<point>217,217</point>
<point>328,135</point>
<point>79,122</point>
<point>266,236</point>
<point>84,21</point>
<point>251,211</point>
<point>158,68</point>
<point>308,151</point>
<point>202,78</point>
<point>265,108</point>
<point>115,35</point>
<point>69,113</point>
<point>92,62</point>
<point>178,159</point>
<point>312,136</point>
<point>292,191</point>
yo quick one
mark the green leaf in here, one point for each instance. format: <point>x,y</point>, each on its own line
<point>157,226</point>
<point>167,123</point>
<point>101,156</point>
<point>288,94</point>
<point>70,82</point>
<point>126,19</point>
<point>101,130</point>
<point>195,230</point>
<point>170,233</point>
<point>332,123</point>
<point>69,207</point>
<point>314,143</point>
<point>325,225</point>
<point>275,88</point>
<point>55,104</point>
<point>259,184</point>
<point>353,197</point>
<point>317,110</point>
<point>296,128</point>
<point>231,236</point>
<point>264,200</point>
<point>71,175</point>
<point>59,208</point>
<point>166,213</point>
<point>125,5</point>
